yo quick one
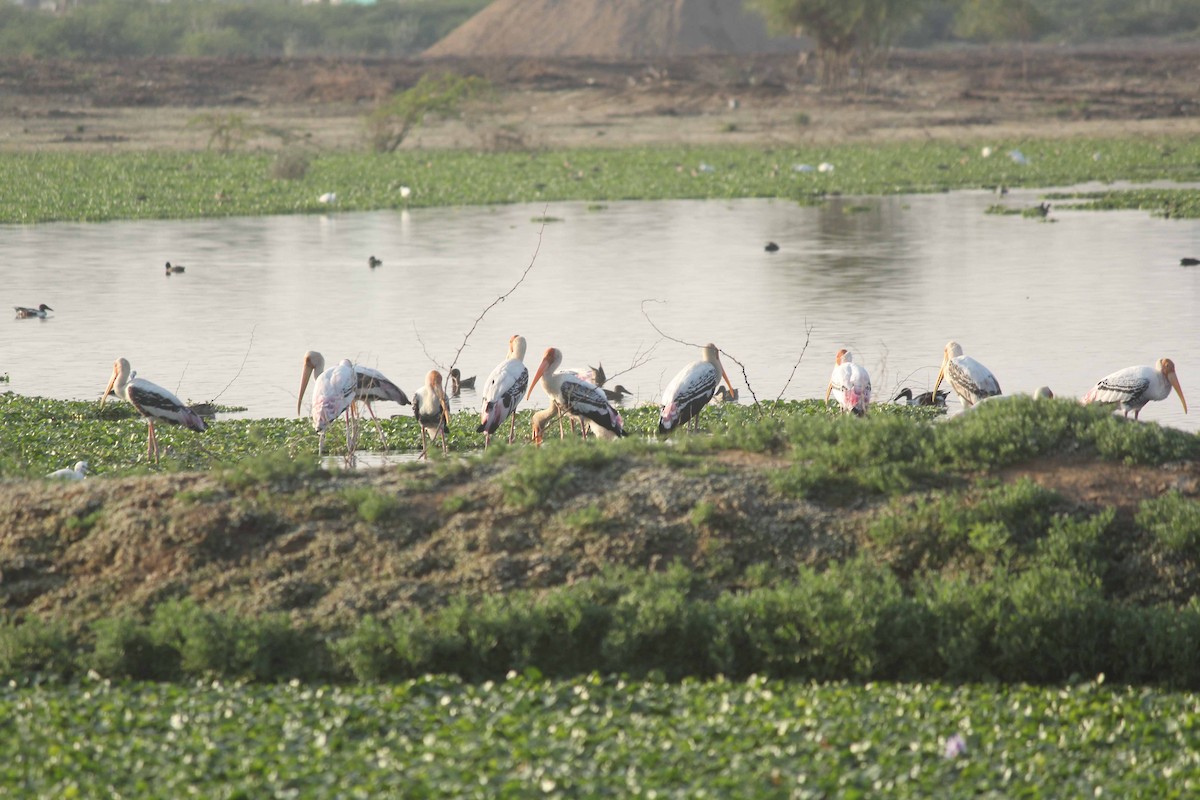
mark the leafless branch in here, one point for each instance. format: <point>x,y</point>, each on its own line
<point>241,366</point>
<point>504,296</point>
<point>726,353</point>
<point>640,359</point>
<point>808,329</point>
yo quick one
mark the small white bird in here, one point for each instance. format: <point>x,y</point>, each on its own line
<point>969,379</point>
<point>1133,387</point>
<point>77,473</point>
<point>328,197</point>
<point>851,383</point>
<point>405,192</point>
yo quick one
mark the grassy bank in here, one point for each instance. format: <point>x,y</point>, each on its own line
<point>46,187</point>
<point>801,544</point>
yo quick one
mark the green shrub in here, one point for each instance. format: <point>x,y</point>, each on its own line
<point>542,475</point>
<point>992,527</point>
<point>1174,520</point>
<point>36,648</point>
<point>372,505</point>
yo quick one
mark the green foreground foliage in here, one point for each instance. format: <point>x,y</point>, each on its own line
<point>46,187</point>
<point>597,737</point>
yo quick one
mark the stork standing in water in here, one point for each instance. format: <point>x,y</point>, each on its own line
<point>369,385</point>
<point>151,401</point>
<point>969,379</point>
<point>333,395</point>
<point>691,389</point>
<point>1133,387</point>
<point>432,411</point>
<point>502,394</point>
<point>851,383</point>
<point>578,397</point>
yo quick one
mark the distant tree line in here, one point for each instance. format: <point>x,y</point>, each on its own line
<point>856,34</point>
<point>131,28</point>
<point>848,33</point>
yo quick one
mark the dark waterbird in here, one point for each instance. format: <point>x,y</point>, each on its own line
<point>1189,262</point>
<point>771,247</point>
<point>23,312</point>
<point>923,399</point>
<point>174,268</point>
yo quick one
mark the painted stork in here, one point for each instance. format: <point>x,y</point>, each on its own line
<point>151,401</point>
<point>77,473</point>
<point>1133,387</point>
<point>851,382</point>
<point>369,384</point>
<point>578,397</point>
<point>24,312</point>
<point>334,393</point>
<point>503,392</point>
<point>923,399</point>
<point>432,410</point>
<point>969,379</point>
<point>691,389</point>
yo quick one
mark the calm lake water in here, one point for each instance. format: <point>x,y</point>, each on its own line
<point>1059,303</point>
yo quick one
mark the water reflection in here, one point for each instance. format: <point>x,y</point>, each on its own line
<point>1058,303</point>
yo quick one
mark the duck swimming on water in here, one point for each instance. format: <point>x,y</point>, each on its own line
<point>24,312</point>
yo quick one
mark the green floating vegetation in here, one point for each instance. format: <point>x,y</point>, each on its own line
<point>597,737</point>
<point>893,450</point>
<point>45,187</point>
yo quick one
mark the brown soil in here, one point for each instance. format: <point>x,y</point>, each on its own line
<point>101,547</point>
<point>965,94</point>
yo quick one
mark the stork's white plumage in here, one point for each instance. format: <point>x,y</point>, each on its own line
<point>432,410</point>
<point>969,379</point>
<point>369,384</point>
<point>691,389</point>
<point>849,384</point>
<point>503,392</point>
<point>151,401</point>
<point>333,395</point>
<point>1133,387</point>
<point>575,396</point>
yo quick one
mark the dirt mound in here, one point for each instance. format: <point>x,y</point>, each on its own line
<point>610,29</point>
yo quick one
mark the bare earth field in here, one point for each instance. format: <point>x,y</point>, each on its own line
<point>966,93</point>
<point>91,549</point>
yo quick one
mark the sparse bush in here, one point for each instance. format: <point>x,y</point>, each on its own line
<point>290,165</point>
<point>277,468</point>
<point>445,94</point>
<point>36,648</point>
<point>1175,522</point>
<point>372,505</point>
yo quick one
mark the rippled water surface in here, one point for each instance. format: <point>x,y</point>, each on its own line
<point>1059,303</point>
